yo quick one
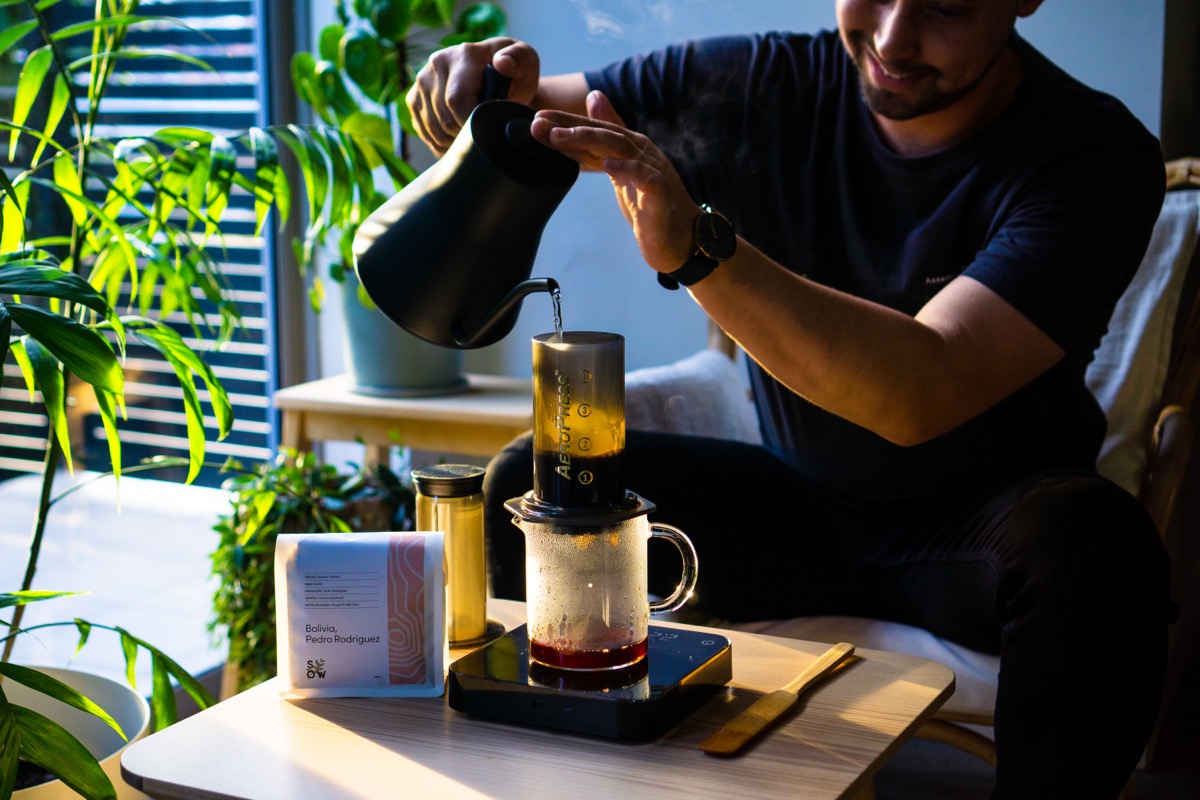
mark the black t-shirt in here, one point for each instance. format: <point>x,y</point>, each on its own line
<point>1051,207</point>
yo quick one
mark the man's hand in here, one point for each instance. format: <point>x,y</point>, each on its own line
<point>649,191</point>
<point>447,88</point>
<point>1183,172</point>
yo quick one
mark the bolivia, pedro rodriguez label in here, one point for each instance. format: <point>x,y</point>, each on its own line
<point>360,614</point>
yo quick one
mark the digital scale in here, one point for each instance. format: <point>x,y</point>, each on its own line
<point>681,670</point>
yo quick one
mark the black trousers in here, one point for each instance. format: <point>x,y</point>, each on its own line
<point>1061,574</point>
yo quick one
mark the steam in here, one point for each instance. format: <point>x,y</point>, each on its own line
<point>625,20</point>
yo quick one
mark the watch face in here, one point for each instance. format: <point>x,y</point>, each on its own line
<point>715,236</point>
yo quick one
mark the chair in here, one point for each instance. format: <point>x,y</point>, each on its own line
<point>1146,375</point>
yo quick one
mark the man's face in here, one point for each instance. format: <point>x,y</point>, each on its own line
<point>916,57</point>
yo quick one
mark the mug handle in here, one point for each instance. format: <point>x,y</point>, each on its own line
<point>687,583</point>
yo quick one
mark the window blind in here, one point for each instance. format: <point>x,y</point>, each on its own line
<point>146,95</point>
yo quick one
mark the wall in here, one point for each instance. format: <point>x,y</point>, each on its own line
<point>1114,45</point>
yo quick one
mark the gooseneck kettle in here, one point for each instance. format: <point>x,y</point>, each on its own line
<point>448,258</point>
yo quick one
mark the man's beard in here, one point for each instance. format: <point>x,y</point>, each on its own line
<point>927,98</point>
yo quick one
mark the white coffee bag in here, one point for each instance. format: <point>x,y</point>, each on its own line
<point>360,614</point>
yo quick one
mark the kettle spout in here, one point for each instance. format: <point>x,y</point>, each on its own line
<point>507,304</point>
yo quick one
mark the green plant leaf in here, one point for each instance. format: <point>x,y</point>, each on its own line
<point>13,234</point>
<point>329,43</point>
<point>346,249</point>
<point>29,85</point>
<point>316,295</point>
<point>307,86</point>
<point>261,505</point>
<point>266,168</point>
<point>399,170</point>
<point>186,362</point>
<point>85,630</point>
<point>10,192</point>
<point>195,690</point>
<point>16,33</point>
<point>10,746</point>
<point>5,331</point>
<point>31,278</point>
<point>66,177</point>
<point>129,649</point>
<point>52,687</point>
<point>108,273</point>
<point>480,21</point>
<point>197,185</point>
<point>300,153</point>
<point>179,135</point>
<point>140,52</point>
<point>135,159</point>
<point>162,698</point>
<point>8,599</point>
<point>320,169</point>
<point>164,668</point>
<point>59,101</point>
<point>81,350</point>
<point>333,89</point>
<point>105,221</point>
<point>49,377</point>
<point>283,197</point>
<point>106,403</point>
<point>223,156</point>
<point>116,21</point>
<point>442,12</point>
<point>343,188</point>
<point>361,57</point>
<point>391,19</point>
<point>37,134</point>
<point>168,302</point>
<point>371,134</point>
<point>52,747</point>
<point>22,359</point>
<point>170,188</point>
<point>356,151</point>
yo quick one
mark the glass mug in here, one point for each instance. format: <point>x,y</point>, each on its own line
<point>586,594</point>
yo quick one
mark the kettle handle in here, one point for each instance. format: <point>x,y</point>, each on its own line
<point>515,296</point>
<point>495,85</point>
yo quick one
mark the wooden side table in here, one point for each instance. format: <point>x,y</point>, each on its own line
<point>258,746</point>
<point>477,422</point>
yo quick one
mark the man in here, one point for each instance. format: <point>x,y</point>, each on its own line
<point>933,225</point>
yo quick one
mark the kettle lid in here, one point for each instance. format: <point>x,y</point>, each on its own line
<point>500,131</point>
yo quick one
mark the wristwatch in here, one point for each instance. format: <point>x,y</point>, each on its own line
<point>715,241</point>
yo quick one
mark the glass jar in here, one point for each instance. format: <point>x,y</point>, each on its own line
<point>450,500</point>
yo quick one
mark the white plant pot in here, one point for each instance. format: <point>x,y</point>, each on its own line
<point>126,706</point>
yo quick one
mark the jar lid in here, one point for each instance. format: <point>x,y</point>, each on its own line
<point>449,480</point>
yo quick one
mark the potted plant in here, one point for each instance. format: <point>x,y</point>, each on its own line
<point>356,82</point>
<point>85,223</point>
<point>43,742</point>
<point>295,493</point>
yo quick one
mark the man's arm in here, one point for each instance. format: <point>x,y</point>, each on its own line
<point>907,379</point>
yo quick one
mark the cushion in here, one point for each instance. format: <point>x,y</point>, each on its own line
<point>1130,366</point>
<point>701,395</point>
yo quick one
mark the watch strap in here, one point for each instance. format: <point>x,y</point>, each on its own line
<point>695,269</point>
